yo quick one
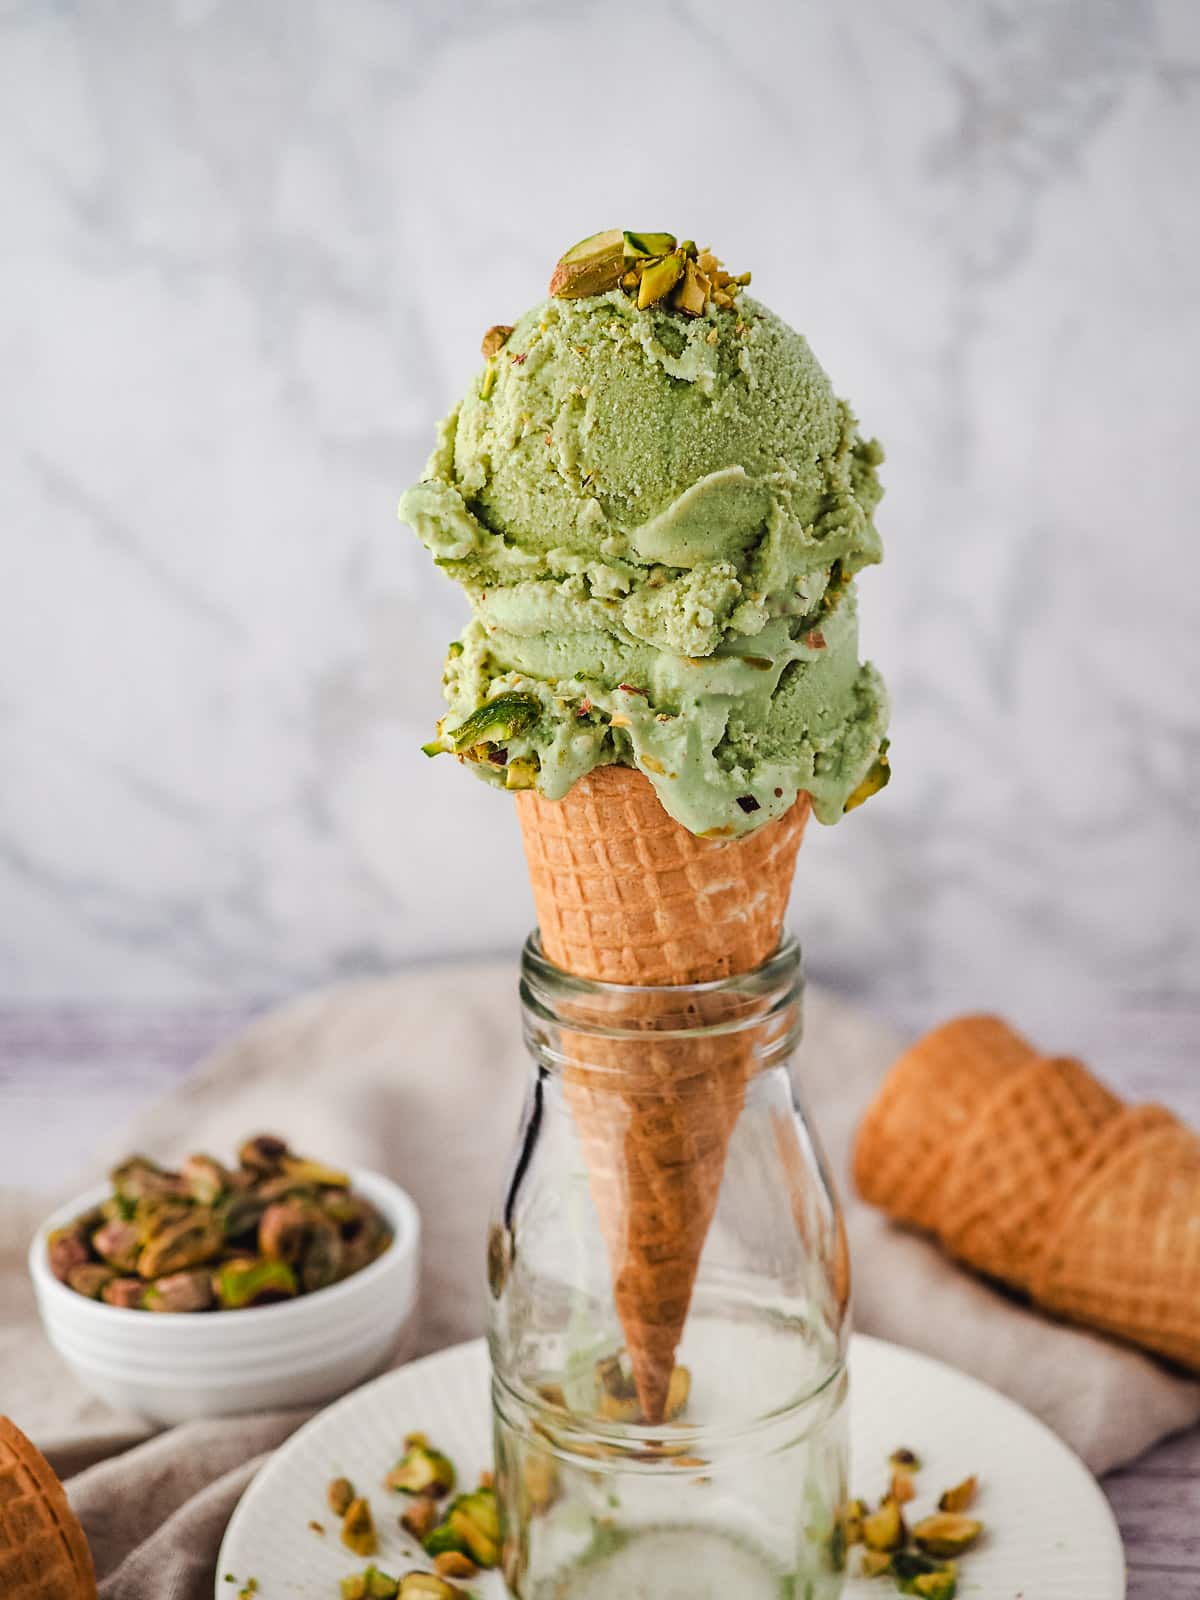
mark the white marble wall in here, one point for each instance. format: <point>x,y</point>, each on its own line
<point>248,249</point>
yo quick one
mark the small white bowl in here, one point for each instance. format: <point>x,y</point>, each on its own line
<point>173,1367</point>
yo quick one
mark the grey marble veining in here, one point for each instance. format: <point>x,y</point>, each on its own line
<point>248,252</point>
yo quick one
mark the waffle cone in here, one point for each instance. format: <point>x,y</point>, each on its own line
<point>1004,1184</point>
<point>908,1139</point>
<point>43,1552</point>
<point>626,895</point>
<point>1125,1255</point>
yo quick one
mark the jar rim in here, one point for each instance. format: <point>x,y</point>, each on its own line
<point>730,1004</point>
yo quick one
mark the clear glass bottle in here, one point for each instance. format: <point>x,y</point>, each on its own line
<point>735,1491</point>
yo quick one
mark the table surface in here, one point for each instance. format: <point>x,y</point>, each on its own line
<point>83,1071</point>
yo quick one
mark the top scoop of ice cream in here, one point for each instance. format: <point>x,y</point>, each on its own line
<point>657,518</point>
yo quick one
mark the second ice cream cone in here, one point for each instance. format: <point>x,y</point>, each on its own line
<point>627,896</point>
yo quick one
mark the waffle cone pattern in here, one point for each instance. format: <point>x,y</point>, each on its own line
<point>626,895</point>
<point>43,1552</point>
<point>928,1101</point>
<point>1033,1172</point>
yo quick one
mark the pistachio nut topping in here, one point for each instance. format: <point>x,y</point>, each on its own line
<point>879,776</point>
<point>641,246</point>
<point>592,266</point>
<point>658,278</point>
<point>650,266</point>
<point>494,340</point>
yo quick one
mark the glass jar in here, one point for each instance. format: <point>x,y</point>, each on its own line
<point>666,1186</point>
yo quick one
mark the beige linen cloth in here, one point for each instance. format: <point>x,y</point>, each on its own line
<point>422,1076</point>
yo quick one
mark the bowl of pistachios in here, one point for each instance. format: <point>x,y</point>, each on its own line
<point>210,1289</point>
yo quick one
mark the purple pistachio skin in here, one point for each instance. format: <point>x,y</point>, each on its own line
<point>120,1243</point>
<point>90,1279</point>
<point>67,1249</point>
<point>124,1292</point>
<point>181,1292</point>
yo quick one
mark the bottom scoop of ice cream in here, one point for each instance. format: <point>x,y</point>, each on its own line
<point>657,518</point>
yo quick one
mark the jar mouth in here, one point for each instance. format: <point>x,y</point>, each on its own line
<point>732,1004</point>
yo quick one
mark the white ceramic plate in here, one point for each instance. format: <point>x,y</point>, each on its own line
<point>1052,1535</point>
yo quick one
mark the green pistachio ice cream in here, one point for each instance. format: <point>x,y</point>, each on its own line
<point>656,516</point>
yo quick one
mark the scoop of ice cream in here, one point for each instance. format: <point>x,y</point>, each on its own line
<point>657,518</point>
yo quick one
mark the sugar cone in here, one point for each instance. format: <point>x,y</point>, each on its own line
<point>43,1552</point>
<point>626,895</point>
<point>907,1141</point>
<point>1004,1184</point>
<point>1125,1256</point>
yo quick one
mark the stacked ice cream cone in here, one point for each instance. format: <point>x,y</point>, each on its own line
<point>627,896</point>
<point>1034,1173</point>
<point>43,1552</point>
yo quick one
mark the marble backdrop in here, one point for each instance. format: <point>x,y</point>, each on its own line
<point>249,247</point>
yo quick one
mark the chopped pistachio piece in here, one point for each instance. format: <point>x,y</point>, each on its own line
<point>427,1586</point>
<point>67,1249</point>
<point>421,1517</point>
<point>255,1281</point>
<point>475,1519</point>
<point>340,1494</point>
<point>302,1169</point>
<point>120,1244</point>
<point>877,778</point>
<point>875,1563</point>
<point>453,1564</point>
<point>358,1528</point>
<point>691,297</point>
<point>205,1179</point>
<point>884,1529</point>
<point>142,1179</point>
<point>181,1242</point>
<point>946,1533</point>
<point>960,1497</point>
<point>521,773</point>
<point>494,722</point>
<point>658,279</point>
<point>936,1585</point>
<point>89,1279</point>
<point>180,1292</point>
<point>486,384</point>
<point>910,1564</point>
<point>647,244</point>
<point>421,1470</point>
<point>495,339</point>
<point>443,1538</point>
<point>592,266</point>
<point>263,1154</point>
<point>126,1293</point>
<point>370,1585</point>
<point>905,1460</point>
